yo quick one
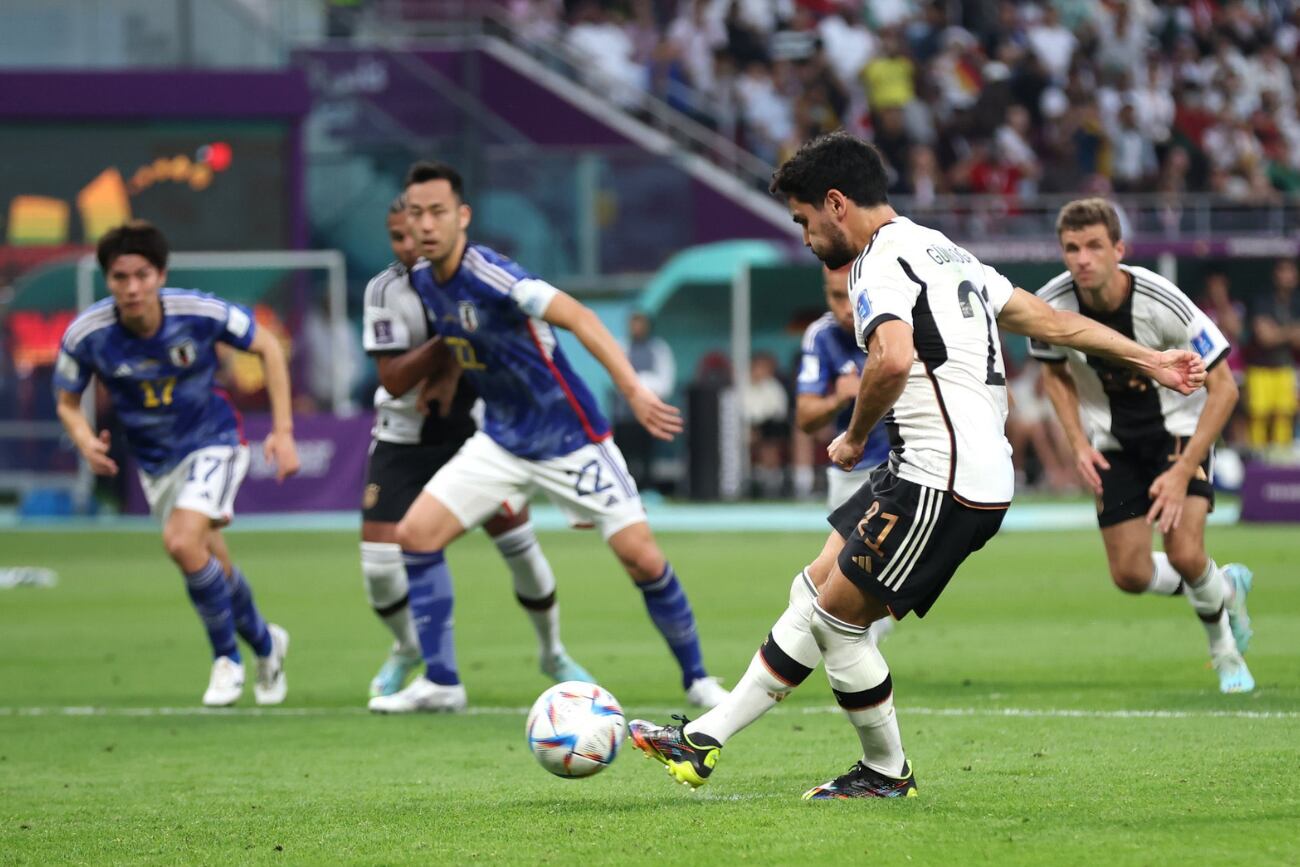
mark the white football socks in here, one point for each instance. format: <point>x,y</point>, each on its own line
<point>534,585</point>
<point>1207,596</point>
<point>860,680</point>
<point>386,588</point>
<point>1165,580</point>
<point>785,660</point>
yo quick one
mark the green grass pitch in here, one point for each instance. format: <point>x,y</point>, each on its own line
<point>1009,695</point>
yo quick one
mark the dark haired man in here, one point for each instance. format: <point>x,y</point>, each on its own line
<point>154,349</point>
<point>1146,453</point>
<point>422,417</point>
<point>542,431</point>
<point>927,314</point>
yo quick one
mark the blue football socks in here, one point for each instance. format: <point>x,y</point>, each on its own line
<point>211,598</point>
<point>248,621</point>
<point>672,615</point>
<point>429,581</point>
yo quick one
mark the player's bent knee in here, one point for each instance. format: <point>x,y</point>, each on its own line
<point>1189,562</point>
<point>1130,580</point>
<point>638,552</point>
<point>185,548</point>
<point>644,566</point>
<point>409,535</point>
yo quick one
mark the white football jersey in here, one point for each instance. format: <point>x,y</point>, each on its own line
<point>1119,405</point>
<point>394,321</point>
<point>947,427</point>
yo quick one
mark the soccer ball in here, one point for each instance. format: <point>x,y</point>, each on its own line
<point>575,729</point>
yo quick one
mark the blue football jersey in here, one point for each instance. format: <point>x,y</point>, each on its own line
<point>161,386</point>
<point>828,352</point>
<point>489,313</point>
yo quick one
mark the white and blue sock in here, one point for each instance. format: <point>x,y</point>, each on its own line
<point>248,620</point>
<point>672,615</point>
<point>211,599</point>
<point>429,582</point>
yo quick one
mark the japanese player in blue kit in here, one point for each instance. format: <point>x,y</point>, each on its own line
<point>542,431</point>
<point>154,350</point>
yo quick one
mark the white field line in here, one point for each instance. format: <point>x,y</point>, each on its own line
<point>484,710</point>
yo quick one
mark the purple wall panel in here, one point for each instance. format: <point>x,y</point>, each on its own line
<point>170,94</point>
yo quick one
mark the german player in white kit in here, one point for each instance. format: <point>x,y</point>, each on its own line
<point>1146,453</point>
<point>422,418</point>
<point>927,313</point>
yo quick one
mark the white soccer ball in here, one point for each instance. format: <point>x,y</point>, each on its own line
<point>575,729</point>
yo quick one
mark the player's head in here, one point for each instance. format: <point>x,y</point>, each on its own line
<point>823,184</point>
<point>134,259</point>
<point>399,233</point>
<point>836,283</point>
<point>1285,276</point>
<point>639,326</point>
<point>435,210</point>
<point>1091,243</point>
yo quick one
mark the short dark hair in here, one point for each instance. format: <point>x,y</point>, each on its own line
<point>1082,213</point>
<point>838,161</point>
<point>135,237</point>
<point>397,205</point>
<point>431,170</point>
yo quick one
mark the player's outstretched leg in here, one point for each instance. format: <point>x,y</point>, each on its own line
<point>690,750</point>
<point>270,642</point>
<point>534,584</point>
<point>211,599</point>
<point>1208,597</point>
<point>389,596</point>
<point>1238,581</point>
<point>440,688</point>
<point>860,680</point>
<point>669,609</point>
<point>188,538</point>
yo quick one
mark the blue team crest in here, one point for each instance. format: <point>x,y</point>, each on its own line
<point>468,316</point>
<point>1202,343</point>
<point>183,354</point>
<point>863,307</point>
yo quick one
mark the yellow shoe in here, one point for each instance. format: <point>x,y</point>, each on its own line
<point>689,759</point>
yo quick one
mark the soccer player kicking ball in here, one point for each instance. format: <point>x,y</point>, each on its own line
<point>154,349</point>
<point>927,313</point>
<point>542,430</point>
<point>410,443</point>
<point>1146,454</point>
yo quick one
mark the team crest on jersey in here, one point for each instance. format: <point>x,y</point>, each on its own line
<point>468,316</point>
<point>863,305</point>
<point>183,354</point>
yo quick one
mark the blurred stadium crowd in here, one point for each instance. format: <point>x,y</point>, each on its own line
<point>993,97</point>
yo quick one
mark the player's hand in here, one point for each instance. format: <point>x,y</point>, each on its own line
<point>1087,461</point>
<point>1180,370</point>
<point>845,453</point>
<point>663,420</point>
<point>846,387</point>
<point>96,454</point>
<point>439,392</point>
<point>281,452</point>
<point>1168,493</point>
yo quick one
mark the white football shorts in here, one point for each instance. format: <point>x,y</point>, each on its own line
<point>591,485</point>
<point>205,481</point>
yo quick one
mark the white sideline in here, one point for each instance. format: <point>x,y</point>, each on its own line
<point>487,710</point>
